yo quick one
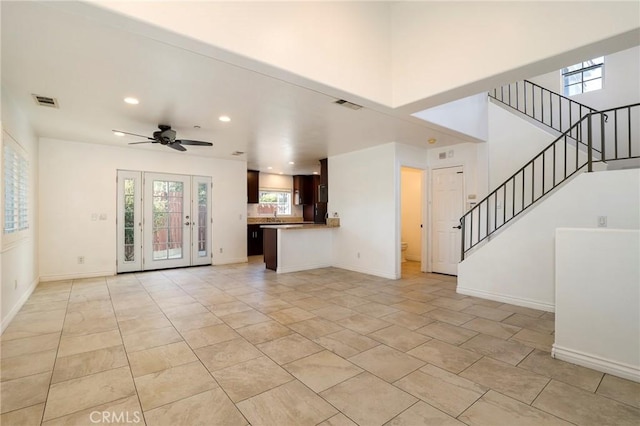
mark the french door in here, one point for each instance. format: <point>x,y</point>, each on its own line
<point>163,221</point>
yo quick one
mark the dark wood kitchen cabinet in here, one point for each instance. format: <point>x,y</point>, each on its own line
<point>254,240</point>
<point>299,190</point>
<point>253,186</point>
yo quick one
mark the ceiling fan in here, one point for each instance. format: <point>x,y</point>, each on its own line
<point>166,136</point>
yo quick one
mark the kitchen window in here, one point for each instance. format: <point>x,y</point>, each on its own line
<point>16,187</point>
<point>274,201</point>
<point>583,77</point>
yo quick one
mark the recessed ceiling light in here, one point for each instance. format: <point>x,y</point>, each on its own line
<point>132,101</point>
<point>432,141</point>
<point>224,118</point>
<point>118,133</point>
<point>291,162</point>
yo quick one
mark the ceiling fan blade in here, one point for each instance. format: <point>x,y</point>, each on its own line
<point>176,146</point>
<point>133,134</point>
<point>190,142</point>
<point>136,143</point>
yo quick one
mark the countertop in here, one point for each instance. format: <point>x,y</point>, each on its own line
<point>305,225</point>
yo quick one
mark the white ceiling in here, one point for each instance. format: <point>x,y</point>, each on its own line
<point>90,67</point>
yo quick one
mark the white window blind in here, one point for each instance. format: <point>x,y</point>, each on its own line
<point>16,189</point>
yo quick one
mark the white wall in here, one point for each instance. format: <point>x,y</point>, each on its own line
<point>598,300</point>
<point>621,83</point>
<point>411,206</point>
<point>467,115</point>
<point>449,50</point>
<point>364,190</point>
<point>78,179</point>
<point>517,265</point>
<point>19,260</point>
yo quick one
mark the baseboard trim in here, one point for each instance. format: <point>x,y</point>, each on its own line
<point>373,272</point>
<point>64,277</point>
<point>230,261</point>
<point>527,303</point>
<point>306,267</point>
<point>597,363</point>
<point>16,308</point>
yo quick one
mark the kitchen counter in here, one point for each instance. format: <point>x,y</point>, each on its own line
<point>297,247</point>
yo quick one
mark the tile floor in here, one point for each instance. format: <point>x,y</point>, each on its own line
<point>237,345</point>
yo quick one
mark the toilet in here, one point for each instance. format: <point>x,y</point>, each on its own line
<point>403,253</point>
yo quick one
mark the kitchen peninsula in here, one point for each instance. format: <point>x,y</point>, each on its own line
<point>299,247</point>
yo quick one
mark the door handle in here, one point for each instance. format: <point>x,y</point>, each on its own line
<point>187,224</point>
<point>457,227</point>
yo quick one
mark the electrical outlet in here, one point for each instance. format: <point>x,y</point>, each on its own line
<point>602,221</point>
<point>358,255</point>
<point>220,249</point>
<point>80,260</point>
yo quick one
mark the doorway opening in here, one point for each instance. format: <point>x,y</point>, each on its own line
<point>411,220</point>
<point>164,221</point>
<point>447,207</point>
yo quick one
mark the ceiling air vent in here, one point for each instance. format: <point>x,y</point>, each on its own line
<point>45,101</point>
<point>348,104</point>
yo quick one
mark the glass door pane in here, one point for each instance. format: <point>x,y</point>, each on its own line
<point>129,239</point>
<point>201,225</point>
<point>167,221</point>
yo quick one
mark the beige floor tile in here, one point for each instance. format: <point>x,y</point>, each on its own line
<point>536,324</point>
<point>536,339</point>
<point>347,343</point>
<point>496,409</point>
<point>87,343</point>
<point>485,312</point>
<point>621,390</point>
<point>88,322</point>
<point>506,379</point>
<point>24,392</point>
<point>374,309</point>
<point>334,312</point>
<point>311,303</point>
<point>79,394</point>
<point>444,355</point>
<point>399,338</point>
<point>387,363</point>
<point>200,337</point>
<point>160,358</point>
<point>289,348</point>
<point>447,333</point>
<point>534,313</point>
<point>363,324</point>
<point>288,404</point>
<point>150,339</point>
<point>32,324</point>
<point>349,301</point>
<point>242,319</point>
<point>492,328</point>
<point>503,350</point>
<point>124,412</point>
<point>251,378</point>
<point>136,312</point>
<point>414,306</point>
<point>226,354</point>
<point>177,311</point>
<point>27,365</point>
<point>442,392</point>
<point>85,363</point>
<point>541,363</point>
<point>291,315</point>
<point>29,345</point>
<point>423,414</point>
<point>322,370</point>
<point>452,304</point>
<point>102,305</point>
<point>144,323</point>
<point>338,420</point>
<point>212,407</point>
<point>407,320</point>
<point>584,408</point>
<point>368,400</point>
<point>198,320</point>
<point>229,308</point>
<point>173,384</point>
<point>315,327</point>
<point>385,299</point>
<point>449,316</point>
<point>25,416</point>
<point>264,331</point>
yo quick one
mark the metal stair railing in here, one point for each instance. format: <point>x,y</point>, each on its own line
<point>604,140</point>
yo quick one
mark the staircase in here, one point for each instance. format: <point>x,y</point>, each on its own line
<point>586,138</point>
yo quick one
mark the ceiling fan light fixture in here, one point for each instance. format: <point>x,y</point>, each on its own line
<point>431,141</point>
<point>131,101</point>
<point>224,118</point>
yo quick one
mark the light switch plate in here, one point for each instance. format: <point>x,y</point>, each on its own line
<point>602,221</point>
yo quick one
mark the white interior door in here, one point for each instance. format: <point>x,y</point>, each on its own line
<point>129,222</point>
<point>167,221</point>
<point>201,223</point>
<point>447,208</point>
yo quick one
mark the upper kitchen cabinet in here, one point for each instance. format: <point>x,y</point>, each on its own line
<point>253,186</point>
